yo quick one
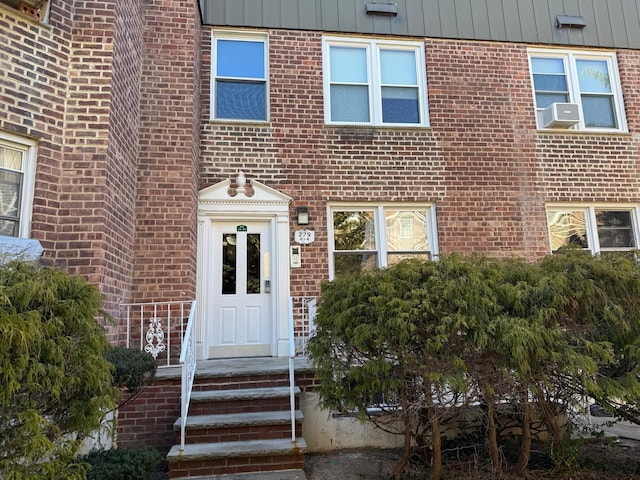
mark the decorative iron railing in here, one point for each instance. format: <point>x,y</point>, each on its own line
<point>158,328</point>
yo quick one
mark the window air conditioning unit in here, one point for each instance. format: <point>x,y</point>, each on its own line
<point>561,115</point>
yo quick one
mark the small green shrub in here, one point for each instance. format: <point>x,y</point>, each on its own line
<point>121,463</point>
<point>133,368</point>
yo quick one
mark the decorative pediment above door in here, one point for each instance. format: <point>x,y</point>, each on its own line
<point>239,196</point>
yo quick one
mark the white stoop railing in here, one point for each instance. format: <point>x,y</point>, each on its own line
<point>158,328</point>
<point>167,331</point>
<point>292,383</point>
<point>302,311</point>
<point>188,362</point>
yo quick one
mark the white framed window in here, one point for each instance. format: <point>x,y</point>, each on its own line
<point>374,82</point>
<point>366,236</point>
<point>597,228</point>
<point>588,79</point>
<point>17,177</point>
<point>239,87</point>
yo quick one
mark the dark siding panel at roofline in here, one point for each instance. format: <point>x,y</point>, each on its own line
<point>610,23</point>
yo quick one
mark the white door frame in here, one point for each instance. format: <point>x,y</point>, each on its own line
<point>219,203</point>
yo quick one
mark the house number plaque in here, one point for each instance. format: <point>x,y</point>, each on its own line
<point>304,237</point>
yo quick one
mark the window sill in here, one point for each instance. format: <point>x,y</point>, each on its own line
<point>391,126</point>
<point>249,123</point>
<point>569,131</point>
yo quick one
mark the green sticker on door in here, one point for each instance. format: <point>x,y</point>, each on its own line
<point>241,228</point>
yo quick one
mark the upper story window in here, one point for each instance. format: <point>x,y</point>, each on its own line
<point>363,237</point>
<point>17,169</point>
<point>578,90</point>
<point>239,71</point>
<point>374,82</point>
<point>594,228</point>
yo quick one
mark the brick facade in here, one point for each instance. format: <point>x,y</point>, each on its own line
<point>482,161</point>
<point>117,95</point>
<point>166,206</point>
<point>109,91</point>
<point>147,419</point>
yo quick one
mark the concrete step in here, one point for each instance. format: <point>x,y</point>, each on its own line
<point>236,457</point>
<point>242,394</point>
<point>237,420</point>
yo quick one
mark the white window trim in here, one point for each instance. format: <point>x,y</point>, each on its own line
<point>378,210</point>
<point>247,36</point>
<point>373,47</point>
<point>28,146</point>
<point>589,210</point>
<point>569,57</point>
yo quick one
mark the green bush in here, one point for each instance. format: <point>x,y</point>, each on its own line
<point>121,463</point>
<point>55,383</point>
<point>439,338</point>
<point>133,368</point>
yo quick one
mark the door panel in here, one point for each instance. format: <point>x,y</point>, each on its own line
<point>241,323</point>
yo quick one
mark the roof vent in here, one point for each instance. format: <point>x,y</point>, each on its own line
<point>568,21</point>
<point>390,9</point>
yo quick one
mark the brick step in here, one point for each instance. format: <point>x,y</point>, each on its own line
<point>239,382</point>
<point>211,402</point>
<point>227,374</point>
<point>236,457</point>
<point>239,427</point>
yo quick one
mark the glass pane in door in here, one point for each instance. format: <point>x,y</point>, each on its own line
<point>253,263</point>
<point>229,241</point>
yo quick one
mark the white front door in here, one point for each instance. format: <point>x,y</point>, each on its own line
<point>241,285</point>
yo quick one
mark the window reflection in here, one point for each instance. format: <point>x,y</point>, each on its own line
<point>615,229</point>
<point>253,263</point>
<point>354,242</point>
<point>567,228</point>
<point>229,242</point>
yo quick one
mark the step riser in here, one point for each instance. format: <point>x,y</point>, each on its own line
<point>239,434</point>
<point>241,406</point>
<point>240,382</point>
<point>236,465</point>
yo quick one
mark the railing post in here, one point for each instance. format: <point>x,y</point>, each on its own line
<point>128,326</point>
<point>188,362</point>
<point>292,355</point>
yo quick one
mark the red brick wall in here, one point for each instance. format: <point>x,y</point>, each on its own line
<point>101,147</point>
<point>34,62</point>
<point>166,208</point>
<point>482,162</point>
<point>148,419</point>
<point>72,85</point>
<point>110,89</point>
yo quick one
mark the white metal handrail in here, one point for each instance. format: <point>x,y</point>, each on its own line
<point>292,356</point>
<point>188,363</point>
<point>304,312</point>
